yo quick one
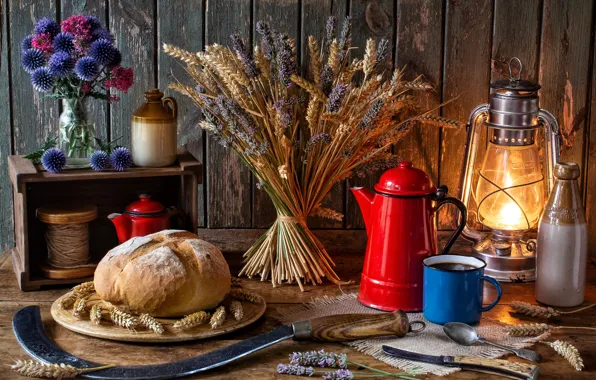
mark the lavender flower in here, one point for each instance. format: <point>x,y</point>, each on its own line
<point>86,68</point>
<point>42,80</point>
<point>283,107</point>
<point>321,137</point>
<point>382,50</point>
<point>286,64</point>
<point>26,43</point>
<point>319,358</point>
<point>336,97</point>
<point>340,374</point>
<point>330,29</point>
<point>345,38</point>
<point>64,42</point>
<point>368,121</point>
<point>102,51</point>
<point>99,160</point>
<point>295,370</point>
<point>246,57</point>
<point>45,25</point>
<point>267,39</point>
<point>121,159</point>
<point>32,60</point>
<point>53,160</point>
<point>326,80</point>
<point>61,64</point>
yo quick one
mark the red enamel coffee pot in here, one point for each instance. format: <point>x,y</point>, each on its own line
<point>140,218</point>
<point>400,223</point>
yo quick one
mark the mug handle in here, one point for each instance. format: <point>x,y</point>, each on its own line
<point>463,215</point>
<point>499,292</point>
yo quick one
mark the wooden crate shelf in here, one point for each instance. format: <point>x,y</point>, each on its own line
<point>110,191</point>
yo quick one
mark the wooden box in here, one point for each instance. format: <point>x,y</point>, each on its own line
<point>110,191</point>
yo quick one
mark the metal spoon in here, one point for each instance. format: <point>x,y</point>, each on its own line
<point>465,335</point>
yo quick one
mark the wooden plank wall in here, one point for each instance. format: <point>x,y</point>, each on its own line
<point>459,45</point>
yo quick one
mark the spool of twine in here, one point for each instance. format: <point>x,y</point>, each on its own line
<point>67,234</point>
<point>68,244</point>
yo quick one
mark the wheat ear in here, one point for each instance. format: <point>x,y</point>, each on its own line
<point>532,329</point>
<point>182,54</point>
<point>68,300</point>
<point>245,295</point>
<point>32,368</point>
<point>192,320</point>
<point>533,310</point>
<point>123,319</point>
<point>95,313</point>
<point>218,318</point>
<point>308,86</point>
<point>569,352</point>
<point>151,323</point>
<point>79,308</point>
<point>439,121</point>
<point>236,282</point>
<point>236,310</point>
<point>85,287</point>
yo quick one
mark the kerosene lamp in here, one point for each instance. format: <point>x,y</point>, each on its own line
<point>506,189</point>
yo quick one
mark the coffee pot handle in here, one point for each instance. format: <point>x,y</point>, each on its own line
<point>463,214</point>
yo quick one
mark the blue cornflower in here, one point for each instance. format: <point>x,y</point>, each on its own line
<point>121,159</point>
<point>102,51</point>
<point>32,60</point>
<point>45,25</point>
<point>86,68</point>
<point>26,43</point>
<point>42,79</point>
<point>103,33</point>
<point>53,160</point>
<point>116,60</point>
<point>99,160</point>
<point>61,64</point>
<point>64,42</point>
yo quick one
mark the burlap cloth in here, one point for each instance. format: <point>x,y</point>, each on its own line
<point>431,341</point>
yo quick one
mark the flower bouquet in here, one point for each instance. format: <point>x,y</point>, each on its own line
<point>75,61</point>
<point>301,135</point>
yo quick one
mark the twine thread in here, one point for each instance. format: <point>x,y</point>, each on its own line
<point>291,219</point>
<point>68,245</point>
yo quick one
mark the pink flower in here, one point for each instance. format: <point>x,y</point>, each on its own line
<point>79,26</point>
<point>121,79</point>
<point>113,99</point>
<point>86,87</point>
<point>43,42</point>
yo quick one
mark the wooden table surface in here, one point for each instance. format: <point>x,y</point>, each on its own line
<point>262,364</point>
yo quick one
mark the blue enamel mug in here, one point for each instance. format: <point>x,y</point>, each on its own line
<point>453,287</point>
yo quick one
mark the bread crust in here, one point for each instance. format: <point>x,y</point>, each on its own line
<point>166,274</point>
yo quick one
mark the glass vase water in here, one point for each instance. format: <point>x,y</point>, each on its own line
<point>76,133</point>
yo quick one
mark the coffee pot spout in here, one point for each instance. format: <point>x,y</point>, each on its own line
<point>365,199</point>
<point>123,226</point>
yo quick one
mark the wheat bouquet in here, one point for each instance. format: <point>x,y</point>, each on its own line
<point>301,135</point>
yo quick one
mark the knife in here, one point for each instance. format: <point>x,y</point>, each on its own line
<point>505,368</point>
<point>29,331</point>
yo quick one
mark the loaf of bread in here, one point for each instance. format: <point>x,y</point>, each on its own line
<point>167,274</point>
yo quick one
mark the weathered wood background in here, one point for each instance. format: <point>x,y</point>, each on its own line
<point>460,45</point>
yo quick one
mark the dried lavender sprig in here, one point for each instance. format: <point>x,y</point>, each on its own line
<point>345,37</point>
<point>264,30</point>
<point>320,359</point>
<point>295,370</point>
<point>340,374</point>
<point>368,121</point>
<point>382,50</point>
<point>336,97</point>
<point>330,29</point>
<point>326,80</point>
<point>285,60</point>
<point>322,137</point>
<point>245,55</point>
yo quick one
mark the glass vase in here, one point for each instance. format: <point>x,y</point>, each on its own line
<point>76,133</point>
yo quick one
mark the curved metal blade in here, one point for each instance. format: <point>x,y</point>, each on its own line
<point>28,329</point>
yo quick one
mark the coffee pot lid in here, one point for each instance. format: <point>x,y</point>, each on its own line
<point>145,206</point>
<point>405,180</point>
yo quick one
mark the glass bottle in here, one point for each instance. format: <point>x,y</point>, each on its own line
<point>76,133</point>
<point>562,242</point>
<point>154,131</point>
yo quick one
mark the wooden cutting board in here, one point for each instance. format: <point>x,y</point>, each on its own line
<point>107,330</point>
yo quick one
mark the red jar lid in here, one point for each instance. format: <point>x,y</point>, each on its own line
<point>145,206</point>
<point>406,181</point>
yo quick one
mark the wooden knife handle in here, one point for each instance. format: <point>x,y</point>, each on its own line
<point>506,368</point>
<point>344,327</point>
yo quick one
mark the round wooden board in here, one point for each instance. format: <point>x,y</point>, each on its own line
<point>107,330</point>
